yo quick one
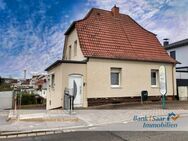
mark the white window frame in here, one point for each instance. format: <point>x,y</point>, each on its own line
<point>115,70</point>
<point>157,77</point>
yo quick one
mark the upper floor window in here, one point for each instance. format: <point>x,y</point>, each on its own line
<point>115,77</point>
<point>75,48</point>
<point>154,78</point>
<point>173,54</point>
<point>70,50</point>
<point>52,80</point>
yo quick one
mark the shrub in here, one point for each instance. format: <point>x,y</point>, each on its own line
<point>26,99</point>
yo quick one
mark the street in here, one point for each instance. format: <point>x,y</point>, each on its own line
<point>108,136</point>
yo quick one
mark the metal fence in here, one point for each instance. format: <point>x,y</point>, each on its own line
<point>68,100</point>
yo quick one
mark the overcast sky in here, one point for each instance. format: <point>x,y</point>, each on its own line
<point>32,31</point>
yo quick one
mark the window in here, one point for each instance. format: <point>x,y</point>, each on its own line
<point>49,82</point>
<point>52,80</point>
<point>115,77</point>
<point>154,77</point>
<point>173,54</point>
<point>75,48</point>
<point>70,52</point>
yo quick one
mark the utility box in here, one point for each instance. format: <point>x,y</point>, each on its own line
<point>144,95</point>
<point>183,93</point>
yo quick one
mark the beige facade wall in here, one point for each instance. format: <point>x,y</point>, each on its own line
<point>135,77</point>
<point>71,38</point>
<point>54,95</point>
<point>62,73</point>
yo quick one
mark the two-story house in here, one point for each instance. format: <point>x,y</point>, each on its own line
<point>109,57</point>
<point>179,50</point>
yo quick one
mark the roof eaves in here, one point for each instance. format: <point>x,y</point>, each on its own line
<point>56,63</point>
<point>71,27</point>
<point>140,60</point>
<point>177,44</point>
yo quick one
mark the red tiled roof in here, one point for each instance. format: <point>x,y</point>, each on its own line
<point>103,35</point>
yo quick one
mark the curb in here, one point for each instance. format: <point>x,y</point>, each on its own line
<point>26,134</point>
<point>4,135</point>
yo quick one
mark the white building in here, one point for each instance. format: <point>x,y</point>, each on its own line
<point>179,51</point>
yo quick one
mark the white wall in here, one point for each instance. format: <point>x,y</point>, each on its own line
<point>6,98</point>
<point>181,75</point>
<point>181,55</point>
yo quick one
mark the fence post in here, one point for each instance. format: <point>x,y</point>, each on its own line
<point>15,100</point>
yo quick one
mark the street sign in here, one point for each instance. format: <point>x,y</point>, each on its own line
<point>162,80</point>
<point>163,84</point>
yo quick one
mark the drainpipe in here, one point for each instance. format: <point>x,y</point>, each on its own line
<point>174,81</point>
<point>85,87</point>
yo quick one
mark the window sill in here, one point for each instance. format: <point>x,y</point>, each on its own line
<point>116,87</point>
<point>154,86</point>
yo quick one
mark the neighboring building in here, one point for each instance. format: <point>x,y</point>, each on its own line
<point>179,51</point>
<point>39,84</point>
<point>108,57</point>
<point>33,81</point>
<point>23,85</point>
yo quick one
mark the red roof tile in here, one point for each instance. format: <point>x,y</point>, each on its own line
<point>104,35</point>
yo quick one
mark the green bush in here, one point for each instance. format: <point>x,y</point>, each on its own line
<point>26,99</point>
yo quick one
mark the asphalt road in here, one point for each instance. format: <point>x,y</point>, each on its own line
<point>108,136</point>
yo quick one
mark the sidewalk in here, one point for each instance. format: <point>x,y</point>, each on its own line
<point>41,120</point>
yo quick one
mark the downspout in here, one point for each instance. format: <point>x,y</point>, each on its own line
<point>86,84</point>
<point>174,81</point>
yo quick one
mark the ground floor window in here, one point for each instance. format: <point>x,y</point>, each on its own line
<point>154,78</point>
<point>115,77</point>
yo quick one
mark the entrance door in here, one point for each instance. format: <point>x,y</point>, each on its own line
<point>76,85</point>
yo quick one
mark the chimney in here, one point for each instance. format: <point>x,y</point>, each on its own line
<point>115,10</point>
<point>165,42</point>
